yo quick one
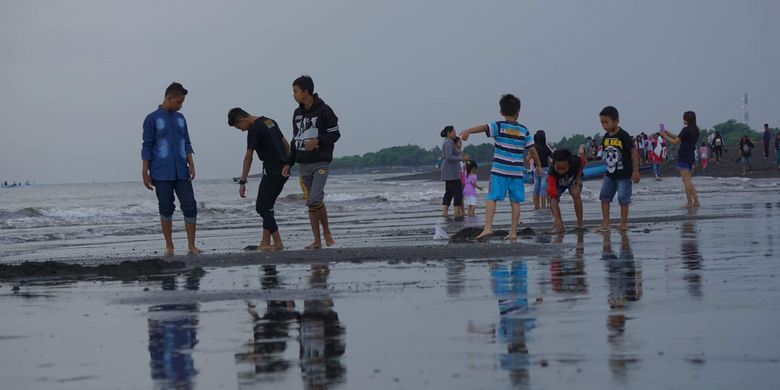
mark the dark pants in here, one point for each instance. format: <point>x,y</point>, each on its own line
<point>183,189</point>
<point>718,153</point>
<point>766,150</point>
<point>453,190</point>
<point>271,186</point>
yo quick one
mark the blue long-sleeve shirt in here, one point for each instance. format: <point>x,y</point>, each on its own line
<point>166,144</point>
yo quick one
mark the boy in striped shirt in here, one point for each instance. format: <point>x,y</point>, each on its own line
<point>506,175</point>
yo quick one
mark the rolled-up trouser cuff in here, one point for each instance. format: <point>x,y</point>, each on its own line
<point>192,220</point>
<point>166,217</point>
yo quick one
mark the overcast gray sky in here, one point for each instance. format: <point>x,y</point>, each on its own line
<point>78,77</point>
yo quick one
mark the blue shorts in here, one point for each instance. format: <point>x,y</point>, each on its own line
<point>540,183</point>
<point>611,186</point>
<point>684,166</point>
<point>500,185</point>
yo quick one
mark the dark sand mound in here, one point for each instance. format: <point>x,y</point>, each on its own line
<point>58,269</point>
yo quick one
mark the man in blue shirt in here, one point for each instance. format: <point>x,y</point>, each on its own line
<point>168,167</point>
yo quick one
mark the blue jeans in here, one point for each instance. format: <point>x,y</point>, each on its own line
<point>540,183</point>
<point>611,186</point>
<point>657,169</point>
<point>183,189</point>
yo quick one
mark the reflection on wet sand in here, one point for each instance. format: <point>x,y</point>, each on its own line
<point>320,336</point>
<point>455,279</point>
<point>568,276</point>
<point>172,336</point>
<point>624,277</point>
<point>271,333</point>
<point>691,257</point>
<point>510,286</point>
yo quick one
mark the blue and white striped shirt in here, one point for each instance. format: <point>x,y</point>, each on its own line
<point>511,140</point>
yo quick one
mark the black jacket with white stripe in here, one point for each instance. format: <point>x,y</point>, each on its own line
<point>320,122</point>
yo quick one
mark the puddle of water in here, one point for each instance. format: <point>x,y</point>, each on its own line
<point>667,309</point>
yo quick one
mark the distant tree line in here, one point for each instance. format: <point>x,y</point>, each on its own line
<point>413,155</point>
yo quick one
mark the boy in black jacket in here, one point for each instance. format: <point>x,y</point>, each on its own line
<point>315,131</point>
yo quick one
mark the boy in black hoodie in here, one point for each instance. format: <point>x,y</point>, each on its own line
<point>315,131</point>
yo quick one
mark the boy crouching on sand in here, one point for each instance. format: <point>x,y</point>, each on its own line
<point>506,175</point>
<point>566,174</point>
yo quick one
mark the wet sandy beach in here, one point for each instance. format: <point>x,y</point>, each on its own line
<point>686,303</point>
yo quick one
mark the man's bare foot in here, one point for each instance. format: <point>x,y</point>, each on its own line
<point>697,204</point>
<point>278,246</point>
<point>314,245</point>
<point>601,228</point>
<point>623,228</point>
<point>265,247</point>
<point>687,206</point>
<point>194,250</point>
<point>485,234</point>
<point>168,251</point>
<point>329,240</point>
<point>512,236</point>
<point>558,230</point>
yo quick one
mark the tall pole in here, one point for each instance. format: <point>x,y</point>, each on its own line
<point>745,108</point>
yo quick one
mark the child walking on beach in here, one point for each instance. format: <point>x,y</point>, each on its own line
<point>511,142</point>
<point>657,156</point>
<point>470,187</point>
<point>704,155</point>
<point>746,150</point>
<point>622,161</point>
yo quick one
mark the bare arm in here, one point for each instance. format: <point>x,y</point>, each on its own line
<point>464,135</point>
<point>191,165</point>
<point>671,138</point>
<point>245,172</point>
<point>535,155</point>
<point>635,165</point>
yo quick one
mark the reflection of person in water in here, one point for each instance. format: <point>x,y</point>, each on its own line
<point>270,332</point>
<point>568,276</point>
<point>691,258</point>
<point>455,270</point>
<point>321,337</point>
<point>510,285</point>
<point>172,336</point>
<point>625,286</point>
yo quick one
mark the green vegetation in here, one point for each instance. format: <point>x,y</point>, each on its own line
<point>413,155</point>
<point>409,155</point>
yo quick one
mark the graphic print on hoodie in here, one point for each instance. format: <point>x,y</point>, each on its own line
<point>318,122</point>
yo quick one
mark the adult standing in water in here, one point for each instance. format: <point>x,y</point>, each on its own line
<point>264,137</point>
<point>450,173</point>
<point>315,132</point>
<point>168,167</point>
<point>686,157</point>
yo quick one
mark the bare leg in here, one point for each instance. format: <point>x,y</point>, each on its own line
<point>490,211</point>
<point>326,227</point>
<point>515,221</point>
<point>577,198</point>
<point>623,217</point>
<point>265,242</point>
<point>445,211</point>
<point>690,190</point>
<point>190,228</point>
<point>543,201</point>
<point>604,226</point>
<point>472,210</point>
<point>167,230</point>
<point>314,221</point>
<point>278,245</point>
<point>537,202</point>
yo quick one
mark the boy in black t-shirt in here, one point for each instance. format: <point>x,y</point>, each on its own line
<point>566,174</point>
<point>622,161</point>
<point>263,137</point>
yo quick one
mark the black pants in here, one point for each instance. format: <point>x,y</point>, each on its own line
<point>453,190</point>
<point>766,150</point>
<point>271,186</point>
<point>718,152</point>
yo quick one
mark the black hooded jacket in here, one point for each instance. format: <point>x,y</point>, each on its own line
<point>320,122</point>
